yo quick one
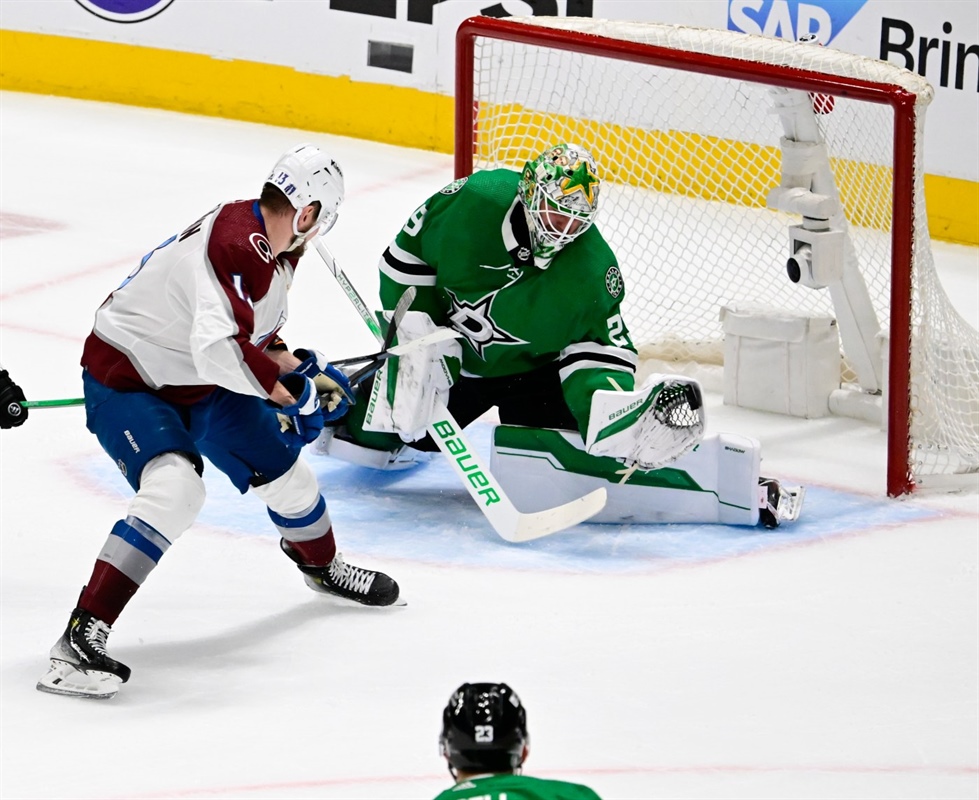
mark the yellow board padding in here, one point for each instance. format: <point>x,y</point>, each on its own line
<point>682,163</point>
<point>233,89</point>
<point>953,209</point>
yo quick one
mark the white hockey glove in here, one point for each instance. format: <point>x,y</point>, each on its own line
<point>649,427</point>
<point>407,387</point>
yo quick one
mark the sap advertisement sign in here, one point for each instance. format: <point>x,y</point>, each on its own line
<point>791,19</point>
<point>938,39</point>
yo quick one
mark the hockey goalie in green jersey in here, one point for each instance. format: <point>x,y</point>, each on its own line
<point>514,262</point>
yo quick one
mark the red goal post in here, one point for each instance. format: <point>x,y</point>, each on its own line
<point>682,123</point>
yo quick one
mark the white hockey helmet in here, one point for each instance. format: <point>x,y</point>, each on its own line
<point>305,174</point>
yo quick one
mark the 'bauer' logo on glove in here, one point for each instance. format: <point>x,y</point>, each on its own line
<point>649,427</point>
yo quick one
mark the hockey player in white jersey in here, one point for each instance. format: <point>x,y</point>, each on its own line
<point>184,361</point>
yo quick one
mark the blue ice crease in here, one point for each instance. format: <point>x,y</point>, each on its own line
<point>425,514</point>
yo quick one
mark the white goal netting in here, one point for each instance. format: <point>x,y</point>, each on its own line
<point>688,160</point>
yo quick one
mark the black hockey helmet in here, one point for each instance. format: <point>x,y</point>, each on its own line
<point>484,729</point>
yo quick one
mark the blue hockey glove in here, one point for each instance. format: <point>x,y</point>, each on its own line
<point>332,385</point>
<point>304,418</point>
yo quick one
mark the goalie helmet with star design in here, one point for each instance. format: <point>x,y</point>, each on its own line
<point>484,729</point>
<point>559,190</point>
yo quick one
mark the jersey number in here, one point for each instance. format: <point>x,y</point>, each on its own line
<point>414,223</point>
<point>189,231</point>
<point>143,260</point>
<point>616,331</point>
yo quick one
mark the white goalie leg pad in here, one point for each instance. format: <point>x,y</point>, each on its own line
<point>171,495</point>
<point>717,482</point>
<point>651,426</point>
<point>408,387</point>
<point>328,443</point>
<point>295,504</point>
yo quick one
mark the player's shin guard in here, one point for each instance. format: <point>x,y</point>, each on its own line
<point>715,483</point>
<point>300,515</point>
<point>131,551</point>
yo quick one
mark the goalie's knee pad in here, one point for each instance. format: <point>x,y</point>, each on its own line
<point>295,505</point>
<point>171,495</point>
<point>333,442</point>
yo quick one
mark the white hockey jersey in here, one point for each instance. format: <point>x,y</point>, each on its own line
<point>197,313</point>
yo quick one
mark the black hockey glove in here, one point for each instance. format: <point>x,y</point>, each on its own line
<point>12,413</point>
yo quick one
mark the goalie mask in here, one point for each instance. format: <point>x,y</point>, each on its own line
<point>305,174</point>
<point>484,729</point>
<point>559,190</point>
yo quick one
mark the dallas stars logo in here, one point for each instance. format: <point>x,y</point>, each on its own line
<point>475,320</point>
<point>583,180</point>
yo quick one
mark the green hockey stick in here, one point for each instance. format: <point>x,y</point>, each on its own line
<point>68,401</point>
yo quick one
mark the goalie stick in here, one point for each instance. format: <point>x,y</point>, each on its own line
<point>377,359</point>
<point>509,523</point>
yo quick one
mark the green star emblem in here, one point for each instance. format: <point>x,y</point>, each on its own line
<point>582,180</point>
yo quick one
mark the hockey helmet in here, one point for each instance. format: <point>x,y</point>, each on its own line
<point>559,190</point>
<point>305,174</point>
<point>484,729</point>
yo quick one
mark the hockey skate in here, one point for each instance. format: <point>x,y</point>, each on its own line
<point>80,666</point>
<point>779,503</point>
<point>338,578</point>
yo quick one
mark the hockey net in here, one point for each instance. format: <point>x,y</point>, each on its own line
<point>686,128</point>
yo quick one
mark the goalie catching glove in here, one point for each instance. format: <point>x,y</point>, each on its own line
<point>649,427</point>
<point>407,387</point>
<point>331,384</point>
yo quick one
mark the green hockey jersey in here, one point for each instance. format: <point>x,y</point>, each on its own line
<point>516,787</point>
<point>468,252</point>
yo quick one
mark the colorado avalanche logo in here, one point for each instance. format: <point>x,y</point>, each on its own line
<point>613,281</point>
<point>124,10</point>
<point>262,247</point>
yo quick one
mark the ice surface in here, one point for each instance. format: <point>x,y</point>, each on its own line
<point>834,658</point>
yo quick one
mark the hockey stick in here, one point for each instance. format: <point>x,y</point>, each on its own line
<point>68,401</point>
<point>358,302</point>
<point>375,359</point>
<point>509,523</point>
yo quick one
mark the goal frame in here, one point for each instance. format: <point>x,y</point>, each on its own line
<point>899,479</point>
